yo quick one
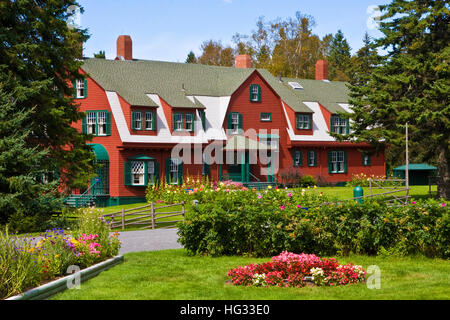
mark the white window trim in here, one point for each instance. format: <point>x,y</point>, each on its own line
<point>80,88</point>
<point>149,119</point>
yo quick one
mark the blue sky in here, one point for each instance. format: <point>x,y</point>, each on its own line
<point>168,29</point>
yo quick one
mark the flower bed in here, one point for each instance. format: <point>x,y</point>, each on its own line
<point>296,270</point>
<point>25,264</point>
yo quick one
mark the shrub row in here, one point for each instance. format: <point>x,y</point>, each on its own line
<point>267,223</point>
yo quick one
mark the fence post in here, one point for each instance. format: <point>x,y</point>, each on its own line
<point>370,185</point>
<point>152,206</point>
<point>123,219</point>
<point>182,209</point>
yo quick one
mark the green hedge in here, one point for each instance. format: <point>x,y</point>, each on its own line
<point>248,223</point>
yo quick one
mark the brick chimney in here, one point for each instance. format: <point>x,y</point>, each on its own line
<point>124,48</point>
<point>243,61</point>
<point>321,70</point>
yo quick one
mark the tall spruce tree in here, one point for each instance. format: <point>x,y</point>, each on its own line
<point>410,85</point>
<point>40,56</point>
<point>339,58</point>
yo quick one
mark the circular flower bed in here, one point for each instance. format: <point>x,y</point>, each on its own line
<point>297,270</point>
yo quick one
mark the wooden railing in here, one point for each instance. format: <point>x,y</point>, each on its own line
<point>146,216</point>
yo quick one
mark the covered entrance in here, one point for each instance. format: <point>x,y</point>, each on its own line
<point>240,154</point>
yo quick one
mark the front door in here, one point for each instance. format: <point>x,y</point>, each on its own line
<point>239,170</point>
<point>101,182</point>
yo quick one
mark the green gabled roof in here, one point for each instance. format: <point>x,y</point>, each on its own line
<point>134,79</point>
<point>173,82</point>
<point>327,93</point>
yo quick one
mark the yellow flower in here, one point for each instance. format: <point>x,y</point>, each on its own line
<point>269,187</point>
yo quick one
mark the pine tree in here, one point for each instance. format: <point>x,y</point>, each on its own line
<point>410,85</point>
<point>40,57</point>
<point>23,167</point>
<point>339,58</point>
<point>191,58</point>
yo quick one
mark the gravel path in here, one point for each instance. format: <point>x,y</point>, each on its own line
<point>148,240</point>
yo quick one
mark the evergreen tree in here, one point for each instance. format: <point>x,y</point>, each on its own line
<point>411,84</point>
<point>191,58</point>
<point>27,184</point>
<point>100,55</point>
<point>40,57</point>
<point>339,58</point>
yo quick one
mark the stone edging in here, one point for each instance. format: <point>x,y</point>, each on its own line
<point>59,285</point>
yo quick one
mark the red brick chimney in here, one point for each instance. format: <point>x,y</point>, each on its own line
<point>321,70</point>
<point>124,48</point>
<point>243,61</point>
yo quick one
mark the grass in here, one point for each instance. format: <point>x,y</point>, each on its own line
<point>173,275</point>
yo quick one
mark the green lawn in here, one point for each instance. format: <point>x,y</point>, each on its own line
<point>173,275</point>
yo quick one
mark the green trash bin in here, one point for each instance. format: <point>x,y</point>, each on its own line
<point>358,192</point>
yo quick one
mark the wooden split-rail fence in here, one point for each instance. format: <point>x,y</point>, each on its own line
<point>146,216</point>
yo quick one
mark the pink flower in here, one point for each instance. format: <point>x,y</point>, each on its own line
<point>299,206</point>
<point>443,204</point>
<point>413,202</point>
<point>282,207</point>
<point>260,196</point>
<point>289,194</point>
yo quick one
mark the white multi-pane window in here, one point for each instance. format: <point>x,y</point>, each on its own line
<point>189,122</point>
<point>81,90</point>
<point>303,121</point>
<point>101,121</point>
<point>150,172</point>
<point>266,116</point>
<point>91,122</point>
<point>137,172</point>
<point>178,121</point>
<point>174,165</point>
<point>255,93</point>
<point>337,161</point>
<point>137,120</point>
<point>311,158</point>
<point>149,121</point>
<point>339,125</point>
<point>234,122</point>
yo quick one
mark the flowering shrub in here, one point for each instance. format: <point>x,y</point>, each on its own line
<point>290,270</point>
<point>267,222</point>
<point>362,180</point>
<point>24,263</point>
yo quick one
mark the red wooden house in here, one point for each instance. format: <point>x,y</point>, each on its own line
<point>162,121</point>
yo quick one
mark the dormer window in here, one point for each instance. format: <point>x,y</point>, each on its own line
<point>178,122</point>
<point>339,125</point>
<point>303,121</point>
<point>189,122</point>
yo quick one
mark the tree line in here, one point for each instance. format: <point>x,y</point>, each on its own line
<point>289,48</point>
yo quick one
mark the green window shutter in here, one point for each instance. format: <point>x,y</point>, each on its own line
<point>74,88</point>
<point>133,120</point>
<point>202,118</point>
<point>153,121</point>
<point>108,123</point>
<point>167,170</point>
<point>332,128</point>
<point>145,173</point>
<point>229,121</point>
<point>85,87</point>
<point>295,154</point>
<point>347,126</point>
<point>309,121</point>
<point>312,154</point>
<point>157,173</point>
<point>84,125</point>
<point>251,90</point>
<point>259,92</point>
<point>345,161</point>
<point>180,173</point>
<point>330,164</point>
<point>127,173</point>
<point>315,159</point>
<point>96,123</point>
<point>206,169</point>
<point>240,121</point>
